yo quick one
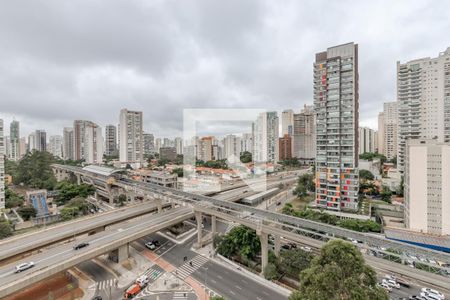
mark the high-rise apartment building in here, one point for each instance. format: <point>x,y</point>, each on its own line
<point>14,141</point>
<point>287,122</point>
<point>232,147</point>
<point>68,143</point>
<point>304,134</point>
<point>381,134</point>
<point>32,141</point>
<point>336,102</point>
<point>149,143</point>
<point>285,147</point>
<point>56,145</point>
<point>78,138</point>
<point>158,144</point>
<point>41,140</point>
<point>93,144</point>
<point>427,189</point>
<point>179,145</point>
<point>111,140</point>
<point>22,146</point>
<point>131,137</point>
<point>367,140</point>
<point>423,95</point>
<point>204,150</point>
<point>389,127</point>
<point>2,166</point>
<point>247,142</point>
<point>265,134</point>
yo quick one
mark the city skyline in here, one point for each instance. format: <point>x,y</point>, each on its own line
<point>241,68</point>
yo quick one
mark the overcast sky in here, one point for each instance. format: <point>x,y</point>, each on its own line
<point>64,60</point>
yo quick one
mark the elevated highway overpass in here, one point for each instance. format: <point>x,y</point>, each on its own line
<point>62,257</point>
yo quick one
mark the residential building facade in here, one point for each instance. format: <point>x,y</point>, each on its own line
<point>427,189</point>
<point>41,140</point>
<point>390,119</point>
<point>111,140</point>
<point>68,143</point>
<point>56,146</point>
<point>93,144</point>
<point>287,122</point>
<point>265,134</point>
<point>285,147</point>
<point>423,95</point>
<point>336,102</point>
<point>14,141</point>
<point>304,134</point>
<point>131,137</point>
<point>149,143</point>
<point>2,166</point>
<point>367,140</point>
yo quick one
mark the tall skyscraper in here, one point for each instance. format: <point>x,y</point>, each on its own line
<point>158,144</point>
<point>336,102</point>
<point>287,122</point>
<point>131,137</point>
<point>56,145</point>
<point>381,134</point>
<point>427,189</point>
<point>149,143</point>
<point>423,101</point>
<point>232,147</point>
<point>247,142</point>
<point>110,140</point>
<point>68,143</point>
<point>179,145</point>
<point>390,125</point>
<point>32,141</point>
<point>266,133</point>
<point>304,134</point>
<point>93,144</point>
<point>41,140</point>
<point>22,146</point>
<point>78,138</point>
<point>2,166</point>
<point>367,140</point>
<point>205,148</point>
<point>285,146</point>
<point>14,141</point>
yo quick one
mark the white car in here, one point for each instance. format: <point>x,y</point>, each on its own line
<point>427,296</point>
<point>150,246</point>
<point>306,248</point>
<point>143,280</point>
<point>391,283</point>
<point>386,287</point>
<point>432,292</point>
<point>24,266</point>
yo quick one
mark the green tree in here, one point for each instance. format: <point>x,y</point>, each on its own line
<point>217,298</point>
<point>12,199</point>
<point>122,199</point>
<point>69,213</point>
<point>401,187</point>
<point>162,162</point>
<point>270,272</point>
<point>80,203</point>
<point>27,212</point>
<point>386,194</point>
<point>34,170</point>
<point>366,175</point>
<point>293,261</point>
<point>5,228</point>
<point>240,241</point>
<point>246,157</point>
<point>68,191</point>
<point>305,184</point>
<point>340,273</point>
<point>178,171</point>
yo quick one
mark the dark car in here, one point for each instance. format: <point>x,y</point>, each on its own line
<point>80,246</point>
<point>97,298</point>
<point>156,243</point>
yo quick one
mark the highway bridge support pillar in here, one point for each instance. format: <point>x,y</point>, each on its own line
<point>159,205</point>
<point>120,254</point>
<point>110,194</point>
<point>78,178</point>
<point>264,239</point>
<point>198,217</point>
<point>277,244</point>
<point>213,226</point>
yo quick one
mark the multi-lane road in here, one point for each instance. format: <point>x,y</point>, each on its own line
<point>62,257</point>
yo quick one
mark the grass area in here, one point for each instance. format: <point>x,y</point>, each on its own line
<point>302,203</point>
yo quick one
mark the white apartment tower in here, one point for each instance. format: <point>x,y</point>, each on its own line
<point>68,143</point>
<point>93,144</point>
<point>56,145</point>
<point>367,140</point>
<point>427,189</point>
<point>2,166</point>
<point>381,134</point>
<point>179,145</point>
<point>287,122</point>
<point>423,95</point>
<point>390,123</point>
<point>336,102</point>
<point>232,147</point>
<point>265,134</point>
<point>131,137</point>
<point>110,140</point>
<point>304,134</point>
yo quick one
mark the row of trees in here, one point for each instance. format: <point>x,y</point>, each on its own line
<point>67,191</point>
<point>289,263</point>
<point>75,208</point>
<point>323,217</point>
<point>305,185</point>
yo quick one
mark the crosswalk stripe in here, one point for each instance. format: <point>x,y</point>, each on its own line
<point>103,285</point>
<point>186,269</point>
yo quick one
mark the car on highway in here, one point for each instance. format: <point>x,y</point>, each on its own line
<point>386,287</point>
<point>155,242</point>
<point>24,266</point>
<point>150,246</point>
<point>430,296</point>
<point>391,283</point>
<point>80,246</point>
<point>306,248</point>
<point>431,292</point>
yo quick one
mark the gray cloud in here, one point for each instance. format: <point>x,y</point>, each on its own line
<point>66,60</point>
